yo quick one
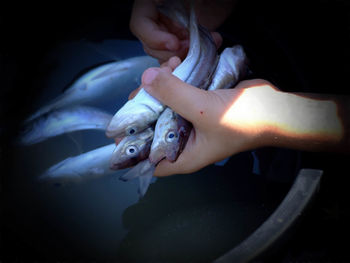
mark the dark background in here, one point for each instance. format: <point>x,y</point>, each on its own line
<point>297,45</point>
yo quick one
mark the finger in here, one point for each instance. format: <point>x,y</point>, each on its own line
<point>186,100</point>
<point>172,63</point>
<point>217,39</point>
<point>173,27</point>
<point>143,25</point>
<point>164,55</point>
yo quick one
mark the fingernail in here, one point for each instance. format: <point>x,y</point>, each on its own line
<point>149,76</point>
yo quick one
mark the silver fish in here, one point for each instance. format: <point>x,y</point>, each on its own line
<point>63,121</point>
<point>106,80</point>
<point>88,165</point>
<point>171,134</point>
<point>172,131</point>
<point>232,66</point>
<point>141,111</point>
<point>132,149</point>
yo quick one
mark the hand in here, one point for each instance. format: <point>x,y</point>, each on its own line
<point>218,129</point>
<point>169,66</point>
<point>253,114</point>
<point>161,37</point>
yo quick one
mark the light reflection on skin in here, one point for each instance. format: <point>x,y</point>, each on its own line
<point>285,119</point>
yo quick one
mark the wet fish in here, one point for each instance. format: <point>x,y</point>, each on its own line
<point>143,110</point>
<point>63,121</point>
<point>172,131</point>
<point>132,149</point>
<point>106,80</point>
<point>88,165</point>
<point>232,66</point>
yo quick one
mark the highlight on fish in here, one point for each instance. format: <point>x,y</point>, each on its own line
<point>147,130</point>
<point>64,121</point>
<point>88,165</point>
<point>143,110</point>
<point>132,149</point>
<point>107,80</point>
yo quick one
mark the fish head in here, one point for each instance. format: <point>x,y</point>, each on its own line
<point>131,150</point>
<point>130,120</point>
<point>167,138</point>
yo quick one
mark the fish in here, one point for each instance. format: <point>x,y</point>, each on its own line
<point>143,110</point>
<point>132,149</point>
<point>62,121</point>
<point>107,80</point>
<point>88,165</point>
<point>232,67</point>
<point>125,125</point>
<point>172,131</point>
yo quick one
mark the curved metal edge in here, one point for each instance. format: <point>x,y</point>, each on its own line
<point>285,215</point>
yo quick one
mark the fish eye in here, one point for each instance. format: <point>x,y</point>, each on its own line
<point>131,150</point>
<point>171,136</point>
<point>131,131</point>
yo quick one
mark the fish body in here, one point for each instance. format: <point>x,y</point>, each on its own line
<point>172,130</point>
<point>143,110</point>
<point>105,81</point>
<point>132,149</point>
<point>62,121</point>
<point>171,133</point>
<point>232,66</point>
<point>88,165</point>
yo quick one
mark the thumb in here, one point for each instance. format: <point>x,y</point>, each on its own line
<point>183,98</point>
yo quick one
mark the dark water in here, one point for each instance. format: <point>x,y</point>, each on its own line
<point>185,217</point>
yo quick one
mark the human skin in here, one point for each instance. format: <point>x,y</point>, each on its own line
<point>254,114</point>
<point>163,38</point>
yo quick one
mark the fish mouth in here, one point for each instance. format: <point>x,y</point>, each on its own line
<point>113,134</point>
<point>156,161</point>
<point>114,166</point>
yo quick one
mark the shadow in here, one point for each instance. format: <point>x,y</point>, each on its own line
<point>213,211</point>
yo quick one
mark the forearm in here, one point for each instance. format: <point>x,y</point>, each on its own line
<point>269,117</point>
<point>306,121</point>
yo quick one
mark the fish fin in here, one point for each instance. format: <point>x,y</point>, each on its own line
<point>256,163</point>
<point>104,53</point>
<point>82,72</point>
<point>98,80</point>
<point>134,172</point>
<point>145,181</point>
<point>144,171</point>
<point>146,177</point>
<point>76,143</point>
<point>222,162</point>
